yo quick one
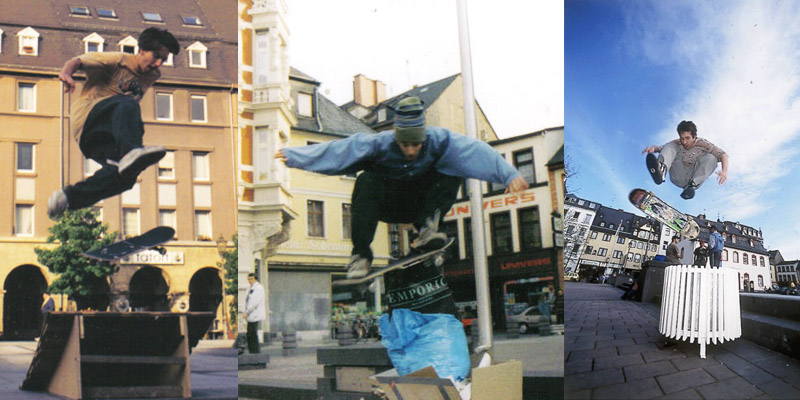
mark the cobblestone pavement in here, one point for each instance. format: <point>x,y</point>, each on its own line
<point>611,352</point>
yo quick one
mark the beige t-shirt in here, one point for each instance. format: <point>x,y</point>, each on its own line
<point>701,146</point>
<point>107,75</point>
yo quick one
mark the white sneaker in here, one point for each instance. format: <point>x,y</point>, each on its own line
<point>429,236</point>
<point>136,160</point>
<point>358,267</point>
<point>57,204</point>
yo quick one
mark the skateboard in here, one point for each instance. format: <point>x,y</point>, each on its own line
<point>437,256</point>
<point>658,209</point>
<point>146,241</point>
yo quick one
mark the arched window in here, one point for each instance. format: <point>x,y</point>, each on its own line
<point>760,281</point>
<point>761,261</point>
<point>745,260</point>
<point>753,258</point>
<point>724,255</point>
<point>736,256</point>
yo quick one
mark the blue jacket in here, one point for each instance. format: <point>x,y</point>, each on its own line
<point>447,152</point>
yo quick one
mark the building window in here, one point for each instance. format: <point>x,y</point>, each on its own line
<point>347,219</point>
<point>760,281</point>
<point>197,55</point>
<point>305,106</point>
<point>530,230</point>
<point>130,222</point>
<point>25,160</point>
<point>79,10</point>
<point>191,20</point>
<point>202,225</point>
<point>152,17</point>
<point>381,114</point>
<point>198,108</point>
<point>168,62</point>
<point>761,261</point>
<point>164,106</point>
<point>202,196</point>
<point>23,220</point>
<point>93,43</point>
<point>501,233</point>
<point>588,250</point>
<point>594,235</point>
<point>523,161</point>
<point>602,252</point>
<point>200,166</point>
<point>450,228</point>
<point>606,237</point>
<point>316,217</point>
<point>129,45</point>
<point>724,255</point>
<point>637,257</point>
<point>166,166</point>
<point>167,218</point>
<point>132,196</point>
<point>467,237</point>
<point>106,13</point>
<point>620,240</point>
<point>617,254</point>
<point>736,256</point>
<point>28,40</point>
<point>26,97</point>
<point>744,259</point>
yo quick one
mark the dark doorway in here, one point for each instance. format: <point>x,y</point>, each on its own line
<point>205,290</point>
<point>22,318</point>
<point>148,290</point>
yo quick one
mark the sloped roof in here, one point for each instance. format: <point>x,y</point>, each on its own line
<point>558,158</point>
<point>630,222</point>
<point>62,33</point>
<point>427,93</point>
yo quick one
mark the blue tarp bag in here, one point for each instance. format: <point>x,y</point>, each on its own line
<point>415,341</point>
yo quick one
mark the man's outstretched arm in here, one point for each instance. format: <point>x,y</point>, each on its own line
<point>723,174</point>
<point>66,73</point>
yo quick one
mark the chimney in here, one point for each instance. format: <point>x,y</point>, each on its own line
<point>368,92</point>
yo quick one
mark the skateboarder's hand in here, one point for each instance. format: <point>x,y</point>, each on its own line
<point>723,176</point>
<point>651,149</point>
<point>517,185</point>
<point>280,156</point>
<point>69,83</point>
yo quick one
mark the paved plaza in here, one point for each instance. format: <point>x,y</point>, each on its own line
<point>213,363</point>
<point>612,353</point>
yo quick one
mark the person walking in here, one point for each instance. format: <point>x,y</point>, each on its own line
<point>106,119</point>
<point>255,312</point>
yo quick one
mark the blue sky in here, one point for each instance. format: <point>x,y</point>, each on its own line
<point>634,69</point>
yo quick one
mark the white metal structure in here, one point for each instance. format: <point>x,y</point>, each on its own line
<point>700,303</point>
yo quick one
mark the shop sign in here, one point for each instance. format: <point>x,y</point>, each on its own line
<point>500,202</point>
<point>154,257</point>
<point>589,262</point>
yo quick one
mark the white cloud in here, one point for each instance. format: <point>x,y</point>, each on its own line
<point>741,62</point>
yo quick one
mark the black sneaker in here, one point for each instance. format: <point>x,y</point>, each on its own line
<point>656,169</point>
<point>688,191</point>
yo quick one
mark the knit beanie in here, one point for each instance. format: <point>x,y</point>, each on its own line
<point>409,120</point>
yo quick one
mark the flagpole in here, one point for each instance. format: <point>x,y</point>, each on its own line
<point>474,189</point>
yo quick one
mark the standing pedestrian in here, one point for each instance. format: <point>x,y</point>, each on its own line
<point>716,243</point>
<point>701,254</point>
<point>255,312</point>
<point>673,253</point>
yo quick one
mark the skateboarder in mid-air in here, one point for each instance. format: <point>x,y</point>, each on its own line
<point>689,160</point>
<point>411,175</point>
<point>106,120</point>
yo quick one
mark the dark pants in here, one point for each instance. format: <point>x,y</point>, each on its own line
<point>376,198</point>
<point>252,338</point>
<point>379,199</point>
<point>113,127</point>
<point>716,259</point>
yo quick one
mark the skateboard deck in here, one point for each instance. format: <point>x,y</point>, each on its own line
<point>663,212</point>
<point>403,263</point>
<point>148,240</point>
